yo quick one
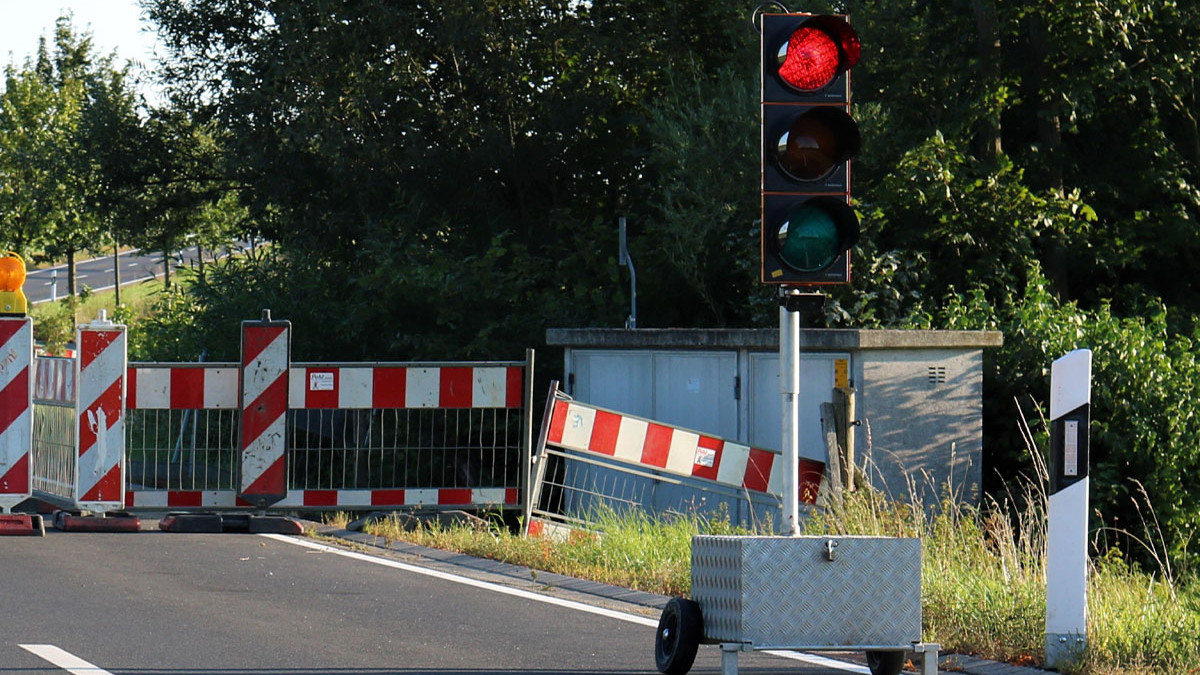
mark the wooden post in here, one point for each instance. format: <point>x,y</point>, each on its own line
<point>844,407</point>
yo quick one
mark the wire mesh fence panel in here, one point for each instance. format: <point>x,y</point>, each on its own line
<point>407,448</point>
<point>53,452</point>
<point>578,489</point>
<point>170,450</point>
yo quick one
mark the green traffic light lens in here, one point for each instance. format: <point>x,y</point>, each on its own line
<point>808,239</point>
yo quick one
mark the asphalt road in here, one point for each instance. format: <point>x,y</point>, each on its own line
<point>158,604</point>
<point>98,274</point>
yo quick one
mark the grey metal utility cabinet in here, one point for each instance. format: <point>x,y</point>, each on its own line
<point>919,394</point>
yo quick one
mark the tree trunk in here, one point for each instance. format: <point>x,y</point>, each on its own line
<point>116,274</point>
<point>1049,127</point>
<point>988,135</point>
<point>71,272</point>
<point>1049,136</point>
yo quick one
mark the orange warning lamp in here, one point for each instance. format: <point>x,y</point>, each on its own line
<point>12,277</point>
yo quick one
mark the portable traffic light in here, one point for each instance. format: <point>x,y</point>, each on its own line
<point>12,278</point>
<point>808,140</point>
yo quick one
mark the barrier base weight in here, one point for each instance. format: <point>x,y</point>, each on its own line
<point>72,522</point>
<point>22,525</point>
<point>216,523</point>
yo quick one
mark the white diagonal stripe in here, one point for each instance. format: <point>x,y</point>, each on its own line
<point>263,370</point>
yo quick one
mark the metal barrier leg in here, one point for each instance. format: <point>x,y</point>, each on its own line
<point>929,656</point>
<point>729,659</point>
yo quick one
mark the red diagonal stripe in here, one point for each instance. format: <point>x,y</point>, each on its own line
<point>271,482</point>
<point>264,410</point>
<point>9,328</point>
<point>14,399</point>
<point>110,403</point>
<point>16,480</point>
<point>257,338</point>
<point>107,489</point>
<point>92,343</point>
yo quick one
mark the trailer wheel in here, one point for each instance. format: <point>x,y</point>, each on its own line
<point>885,663</point>
<point>680,630</point>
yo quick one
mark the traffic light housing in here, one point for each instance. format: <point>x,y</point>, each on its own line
<point>808,140</point>
<point>12,278</point>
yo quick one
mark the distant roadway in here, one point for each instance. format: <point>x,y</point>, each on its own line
<point>154,603</point>
<point>98,274</point>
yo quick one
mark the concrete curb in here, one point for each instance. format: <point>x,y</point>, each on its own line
<point>961,663</point>
<point>649,603</point>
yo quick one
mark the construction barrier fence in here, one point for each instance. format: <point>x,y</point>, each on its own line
<point>591,462</point>
<point>206,436</point>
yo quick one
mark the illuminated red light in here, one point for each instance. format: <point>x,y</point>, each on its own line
<point>809,60</point>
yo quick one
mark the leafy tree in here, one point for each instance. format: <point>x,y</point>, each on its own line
<point>35,121</point>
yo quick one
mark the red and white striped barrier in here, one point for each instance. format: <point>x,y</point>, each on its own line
<point>182,386</point>
<point>266,356</point>
<point>351,387</point>
<point>54,380</point>
<point>100,413</point>
<point>16,410</point>
<point>386,497</point>
<point>634,440</point>
<point>401,497</point>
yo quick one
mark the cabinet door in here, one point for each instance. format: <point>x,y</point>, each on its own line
<point>697,390</point>
<point>817,380</point>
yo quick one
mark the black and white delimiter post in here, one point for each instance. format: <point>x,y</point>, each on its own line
<point>1067,534</point>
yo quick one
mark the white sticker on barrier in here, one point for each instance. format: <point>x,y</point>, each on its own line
<point>320,381</point>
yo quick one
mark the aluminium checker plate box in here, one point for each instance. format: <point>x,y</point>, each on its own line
<point>776,592</point>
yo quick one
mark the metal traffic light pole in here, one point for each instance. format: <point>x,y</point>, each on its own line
<point>794,305</point>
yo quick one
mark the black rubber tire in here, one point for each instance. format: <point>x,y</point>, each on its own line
<point>885,663</point>
<point>680,630</point>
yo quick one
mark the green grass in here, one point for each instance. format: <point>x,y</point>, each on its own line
<point>983,579</point>
<point>54,322</point>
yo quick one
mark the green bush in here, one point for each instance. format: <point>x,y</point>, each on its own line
<point>1145,413</point>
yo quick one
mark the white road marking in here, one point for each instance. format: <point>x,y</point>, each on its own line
<point>65,660</point>
<point>538,597</point>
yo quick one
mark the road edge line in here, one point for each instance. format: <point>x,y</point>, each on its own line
<point>540,597</point>
<point>61,658</point>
